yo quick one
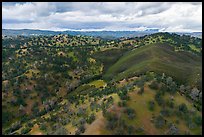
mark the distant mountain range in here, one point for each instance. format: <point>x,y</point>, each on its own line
<point>102,34</point>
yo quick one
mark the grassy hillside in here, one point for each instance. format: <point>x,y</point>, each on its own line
<point>179,42</point>
<point>109,57</point>
<point>160,58</point>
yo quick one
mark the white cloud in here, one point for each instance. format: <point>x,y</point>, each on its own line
<point>168,16</point>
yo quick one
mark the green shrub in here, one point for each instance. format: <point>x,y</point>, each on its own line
<point>91,118</point>
<point>43,126</point>
<point>154,85</point>
<point>25,130</point>
<point>183,108</point>
<point>130,112</point>
<point>151,105</point>
<point>141,91</point>
<point>159,122</point>
<point>198,120</point>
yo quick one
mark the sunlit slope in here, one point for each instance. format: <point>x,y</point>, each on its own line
<point>160,58</point>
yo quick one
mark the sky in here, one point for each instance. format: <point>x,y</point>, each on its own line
<point>97,16</point>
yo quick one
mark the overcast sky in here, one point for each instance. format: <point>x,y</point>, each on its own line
<point>168,16</point>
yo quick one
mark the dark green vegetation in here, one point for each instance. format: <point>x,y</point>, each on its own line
<point>67,84</point>
<point>160,58</point>
<point>109,57</point>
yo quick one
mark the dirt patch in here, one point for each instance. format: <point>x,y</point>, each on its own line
<point>35,130</point>
<point>29,106</point>
<point>133,78</point>
<point>122,82</point>
<point>115,109</point>
<point>96,127</point>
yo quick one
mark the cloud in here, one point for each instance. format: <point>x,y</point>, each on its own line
<point>166,16</point>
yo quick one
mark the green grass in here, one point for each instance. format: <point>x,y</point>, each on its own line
<point>143,115</point>
<point>71,54</point>
<point>193,47</point>
<point>83,88</point>
<point>98,83</point>
<point>160,58</point>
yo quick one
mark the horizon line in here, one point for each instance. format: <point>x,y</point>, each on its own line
<point>98,30</point>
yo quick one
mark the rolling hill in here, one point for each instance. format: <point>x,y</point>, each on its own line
<point>160,58</point>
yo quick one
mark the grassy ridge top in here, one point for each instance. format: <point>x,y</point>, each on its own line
<point>160,58</point>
